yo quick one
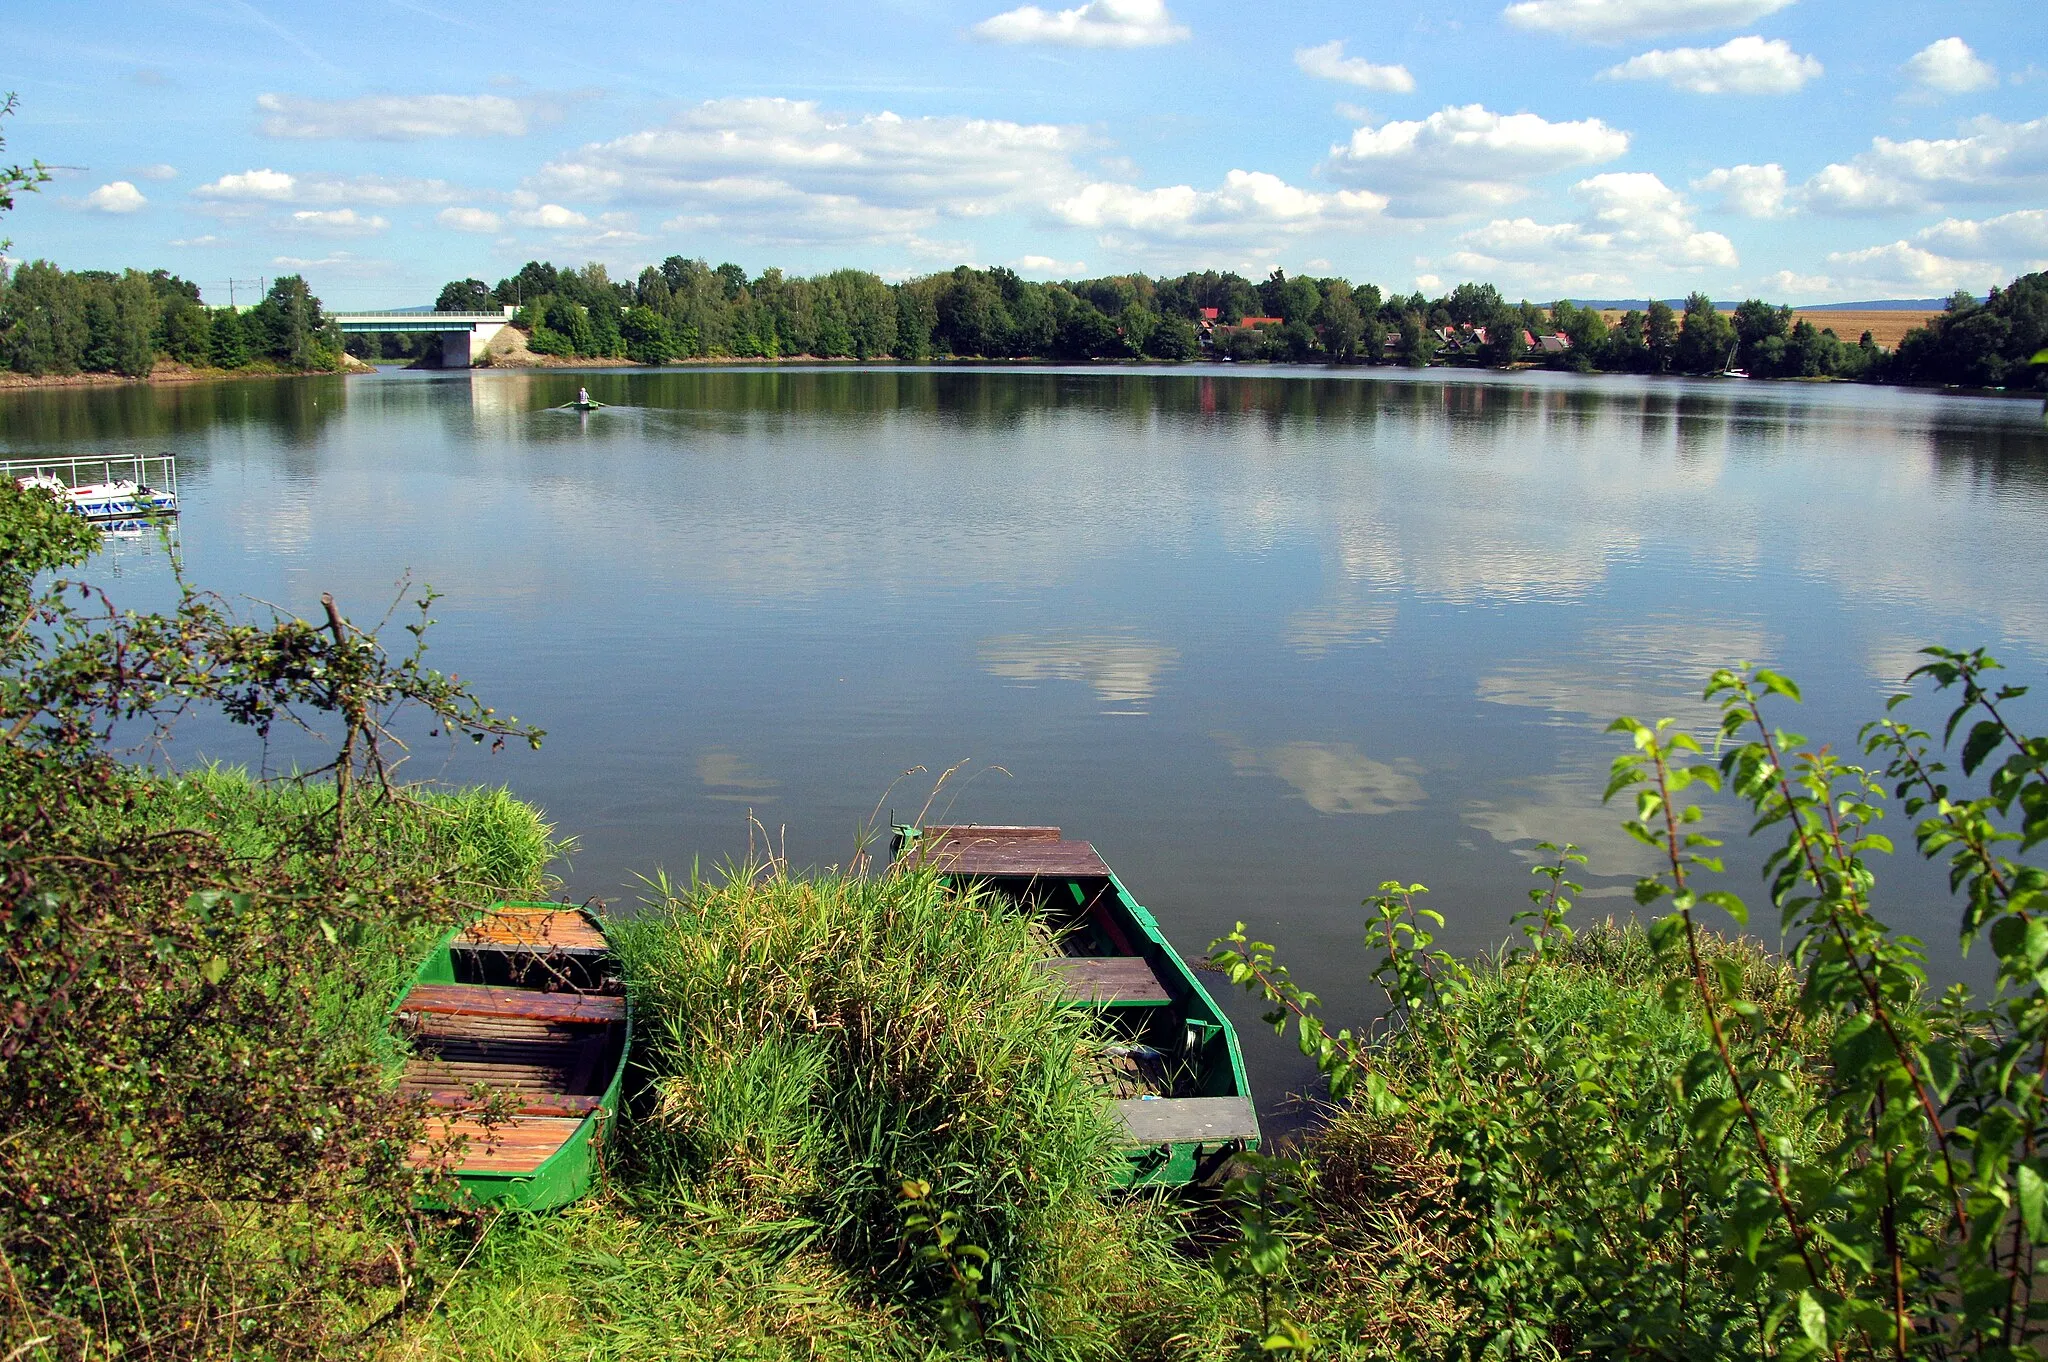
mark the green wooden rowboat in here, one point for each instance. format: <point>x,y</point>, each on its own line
<point>518,1029</point>
<point>1169,1059</point>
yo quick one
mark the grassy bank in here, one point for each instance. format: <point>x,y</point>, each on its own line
<point>807,1047</point>
<point>861,1127</point>
<point>201,1148</point>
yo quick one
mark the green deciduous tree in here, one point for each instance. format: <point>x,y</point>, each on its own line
<point>288,327</point>
<point>466,295</point>
<point>1660,337</point>
<point>1706,339</point>
<point>648,337</point>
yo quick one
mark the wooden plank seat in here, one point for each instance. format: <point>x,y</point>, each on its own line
<point>1019,859</point>
<point>458,1075</point>
<point>486,1000</point>
<point>432,1026</point>
<point>552,931</point>
<point>530,1103</point>
<point>575,1061</point>
<point>1170,1120</point>
<point>519,1145</point>
<point>987,833</point>
<point>1109,980</point>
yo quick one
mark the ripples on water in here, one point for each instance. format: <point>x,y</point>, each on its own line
<point>1267,637</point>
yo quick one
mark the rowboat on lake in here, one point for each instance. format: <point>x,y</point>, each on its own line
<point>518,1026</point>
<point>1167,1056</point>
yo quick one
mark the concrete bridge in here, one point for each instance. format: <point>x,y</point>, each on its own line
<point>463,334</point>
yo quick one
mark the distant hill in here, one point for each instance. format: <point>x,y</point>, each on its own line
<point>1881,305</point>
<point>1678,305</point>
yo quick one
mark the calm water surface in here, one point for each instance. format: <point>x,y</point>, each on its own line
<point>1266,637</point>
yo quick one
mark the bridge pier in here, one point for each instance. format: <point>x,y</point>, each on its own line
<point>462,349</point>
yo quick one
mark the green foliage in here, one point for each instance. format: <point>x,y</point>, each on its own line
<point>55,321</point>
<point>815,1044</point>
<point>1660,338</point>
<point>995,314</point>
<point>199,1144</point>
<point>1983,345</point>
<point>1818,1162</point>
<point>466,295</point>
<point>1706,338</point>
<point>1269,1198</point>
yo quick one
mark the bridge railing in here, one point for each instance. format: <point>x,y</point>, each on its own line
<point>426,321</point>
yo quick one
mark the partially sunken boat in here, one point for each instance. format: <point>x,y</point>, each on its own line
<point>1168,1058</point>
<point>518,1026</point>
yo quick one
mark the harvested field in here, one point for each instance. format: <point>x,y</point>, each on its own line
<point>1885,327</point>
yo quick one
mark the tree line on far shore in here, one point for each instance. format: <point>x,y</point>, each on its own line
<point>687,309</point>
<point>58,321</point>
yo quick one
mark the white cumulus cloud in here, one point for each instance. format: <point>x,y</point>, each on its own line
<point>1622,20</point>
<point>2019,238</point>
<point>552,216</point>
<point>1046,267</point>
<point>1328,62</point>
<point>272,185</point>
<point>1949,67</point>
<point>1467,157</point>
<point>250,188</point>
<point>338,222</point>
<point>119,196</point>
<point>1633,233</point>
<point>392,118</point>
<point>337,263</point>
<point>789,172</point>
<point>1250,209</point>
<point>1965,253</point>
<point>1752,191</point>
<point>1905,269</point>
<point>468,219</point>
<point>1991,160</point>
<point>1099,23</point>
<point>1748,65</point>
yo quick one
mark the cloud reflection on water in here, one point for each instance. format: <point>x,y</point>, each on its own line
<point>1123,668</point>
<point>1333,777</point>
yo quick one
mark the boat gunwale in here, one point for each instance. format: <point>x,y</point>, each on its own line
<point>487,1186</point>
<point>1195,1004</point>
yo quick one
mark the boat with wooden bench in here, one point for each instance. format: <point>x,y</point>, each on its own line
<point>518,1027</point>
<point>1168,1057</point>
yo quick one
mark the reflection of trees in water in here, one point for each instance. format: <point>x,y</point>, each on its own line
<point>295,408</point>
<point>2015,455</point>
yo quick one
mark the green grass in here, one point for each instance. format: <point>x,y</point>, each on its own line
<point>481,838</point>
<point>806,1046</point>
<point>480,842</point>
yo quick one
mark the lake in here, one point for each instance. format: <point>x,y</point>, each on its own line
<point>1266,636</point>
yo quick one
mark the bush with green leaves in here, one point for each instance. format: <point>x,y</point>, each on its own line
<point>201,1149</point>
<point>1828,1163</point>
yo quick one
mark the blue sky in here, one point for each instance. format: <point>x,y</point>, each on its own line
<point>1802,150</point>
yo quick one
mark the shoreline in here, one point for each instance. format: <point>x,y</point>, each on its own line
<point>169,374</point>
<point>165,373</point>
